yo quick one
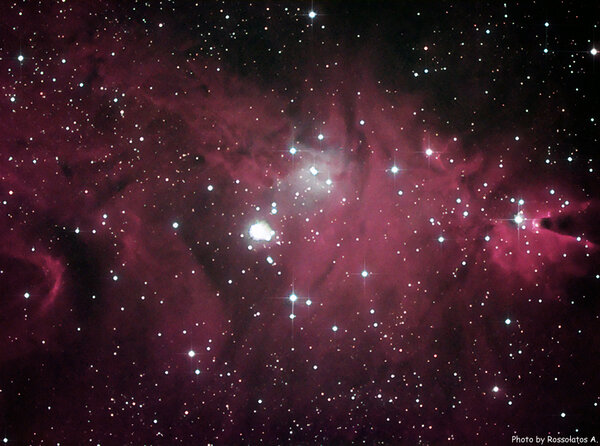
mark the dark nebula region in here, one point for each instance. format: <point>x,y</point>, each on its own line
<point>294,223</point>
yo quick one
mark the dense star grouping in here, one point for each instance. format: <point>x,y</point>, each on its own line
<point>285,223</point>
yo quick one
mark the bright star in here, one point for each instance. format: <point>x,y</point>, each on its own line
<point>261,231</point>
<point>191,353</point>
<point>395,169</point>
<point>293,297</point>
<point>293,150</point>
<point>334,328</point>
<point>428,152</point>
<point>495,389</point>
<point>312,14</point>
<point>594,51</point>
<point>320,137</point>
<point>519,219</point>
<point>313,170</point>
<point>507,321</point>
<point>365,274</point>
<point>441,239</point>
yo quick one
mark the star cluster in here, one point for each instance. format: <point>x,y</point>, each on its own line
<point>298,223</point>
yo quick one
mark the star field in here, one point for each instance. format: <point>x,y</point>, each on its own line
<point>298,222</point>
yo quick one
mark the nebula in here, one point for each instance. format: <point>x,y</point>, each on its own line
<point>244,224</point>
